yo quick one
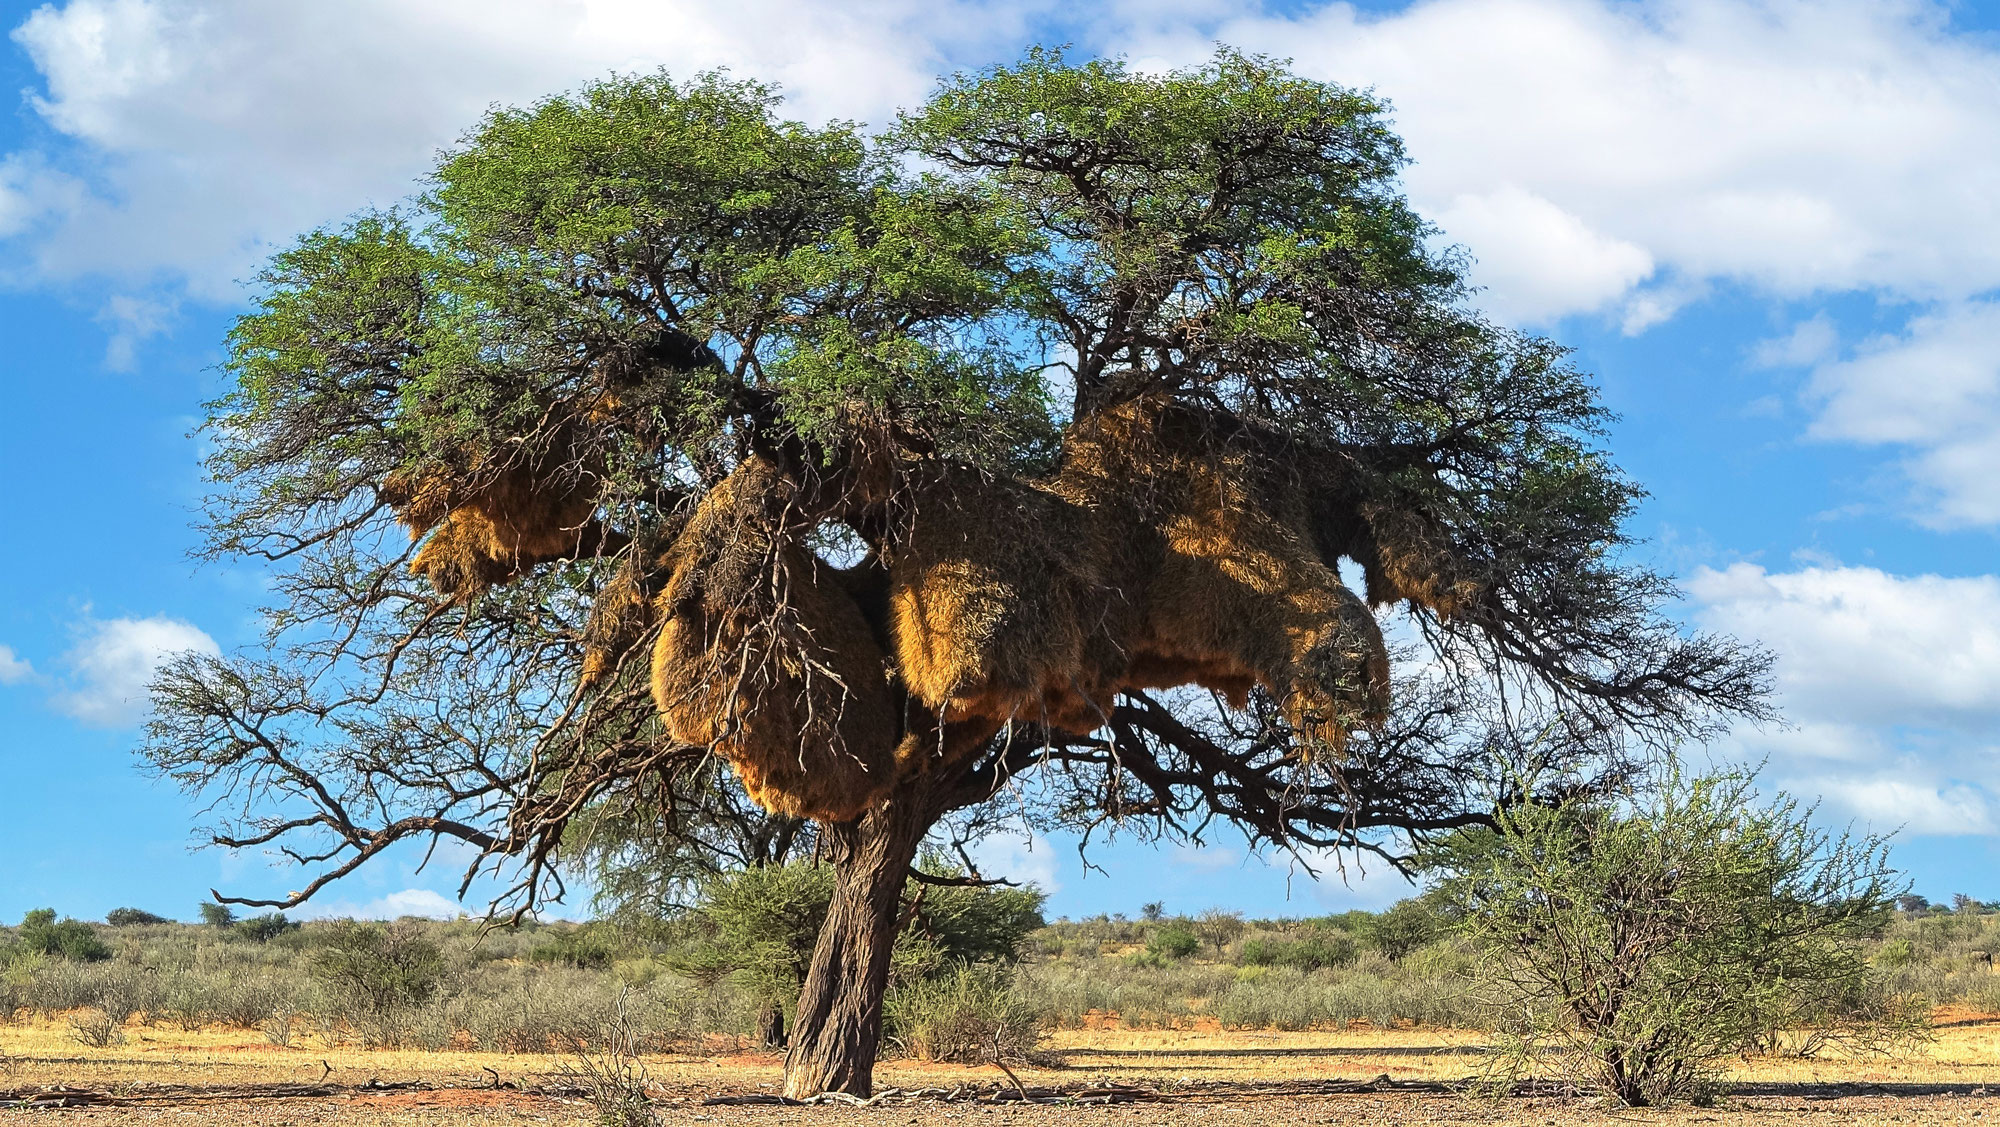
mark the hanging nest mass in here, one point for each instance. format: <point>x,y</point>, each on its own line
<point>1169,547</point>
<point>497,515</point>
<point>1163,552</point>
<point>764,656</point>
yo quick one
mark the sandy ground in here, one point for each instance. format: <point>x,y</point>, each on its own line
<point>162,1076</point>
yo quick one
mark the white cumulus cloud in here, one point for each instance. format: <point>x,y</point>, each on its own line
<point>1932,391</point>
<point>13,669</point>
<point>1799,148</point>
<point>1537,261</point>
<point>110,668</point>
<point>407,902</point>
<point>1892,685</point>
<point>1940,808</point>
<point>1594,156</point>
<point>216,129</point>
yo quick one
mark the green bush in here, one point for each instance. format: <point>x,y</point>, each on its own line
<point>756,930</point>
<point>216,915</point>
<point>1897,952</point>
<point>263,929</point>
<point>1407,926</point>
<point>131,917</point>
<point>592,946</point>
<point>1641,943</point>
<point>1173,941</point>
<point>378,978</point>
<point>976,925</point>
<point>967,1016</point>
<point>1318,950</point>
<point>40,934</point>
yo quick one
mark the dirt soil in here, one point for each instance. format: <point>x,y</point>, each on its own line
<point>1107,1077</point>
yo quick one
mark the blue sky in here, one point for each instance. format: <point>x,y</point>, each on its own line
<point>1771,229</point>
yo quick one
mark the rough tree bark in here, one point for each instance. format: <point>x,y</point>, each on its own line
<point>839,1022</point>
<point>771,1026</point>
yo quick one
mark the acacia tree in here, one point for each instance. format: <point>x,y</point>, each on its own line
<point>998,467</point>
<point>1639,941</point>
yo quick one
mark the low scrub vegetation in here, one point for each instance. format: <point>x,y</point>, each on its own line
<point>976,976</point>
<point>1639,941</point>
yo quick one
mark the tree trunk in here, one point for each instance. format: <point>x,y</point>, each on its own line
<point>839,1022</point>
<point>771,1026</point>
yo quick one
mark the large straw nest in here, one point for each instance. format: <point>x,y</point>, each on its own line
<point>621,615</point>
<point>997,606</point>
<point>1167,550</point>
<point>764,656</point>
<point>491,521</point>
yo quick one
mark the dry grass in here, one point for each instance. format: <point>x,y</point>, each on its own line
<point>1213,1077</point>
<point>765,657</point>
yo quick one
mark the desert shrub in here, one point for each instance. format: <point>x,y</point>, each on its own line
<point>969,1015</point>
<point>263,929</point>
<point>40,934</point>
<point>536,1012</point>
<point>16,981</point>
<point>52,986</point>
<point>1271,998</point>
<point>1317,950</point>
<point>132,917</point>
<point>755,930</point>
<point>378,977</point>
<point>243,1001</point>
<point>1897,952</point>
<point>972,924</point>
<point>120,990</point>
<point>592,946</point>
<point>1173,941</point>
<point>187,1000</point>
<point>1642,943</point>
<point>1407,926</point>
<point>1142,997</point>
<point>609,1067</point>
<point>1218,927</point>
<point>96,1028</point>
<point>281,1026</point>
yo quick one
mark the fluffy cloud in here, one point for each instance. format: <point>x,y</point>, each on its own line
<point>1863,645</point>
<point>1892,684</point>
<point>1537,261</point>
<point>1026,860</point>
<point>408,902</point>
<point>214,129</point>
<point>1593,156</point>
<point>1798,148</point>
<point>13,669</point>
<point>1932,390</point>
<point>112,665</point>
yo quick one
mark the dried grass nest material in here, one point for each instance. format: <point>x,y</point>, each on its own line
<point>765,657</point>
<point>1169,548</point>
<point>1163,552</point>
<point>490,523</point>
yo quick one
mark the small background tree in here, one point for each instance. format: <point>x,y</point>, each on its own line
<point>1642,942</point>
<point>74,940</point>
<point>1219,927</point>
